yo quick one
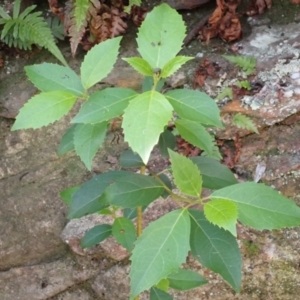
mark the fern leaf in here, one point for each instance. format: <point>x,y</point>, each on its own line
<point>242,121</point>
<point>243,84</point>
<point>27,29</point>
<point>4,14</point>
<point>80,12</point>
<point>56,26</point>
<point>226,92</point>
<point>16,10</point>
<point>246,63</point>
<point>26,12</point>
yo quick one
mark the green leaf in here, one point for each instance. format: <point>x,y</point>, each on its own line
<point>158,294</point>
<point>215,153</point>
<point>195,106</point>
<point>226,92</point>
<point>99,61</point>
<point>129,159</point>
<point>161,35</point>
<point>87,140</point>
<point>215,175</point>
<point>43,109</point>
<point>173,65</point>
<point>247,63</point>
<point>140,65</point>
<point>124,232</point>
<point>244,84</point>
<point>104,105</point>
<point>68,194</point>
<point>185,280</point>
<point>163,285</point>
<point>223,213</point>
<point>143,121</point>
<point>52,77</point>
<point>224,256</point>
<point>148,84</point>
<point>186,174</point>
<point>67,142</point>
<point>88,200</point>
<point>242,121</point>
<point>196,134</point>
<point>260,206</point>
<point>160,250</point>
<point>134,190</point>
<point>166,141</point>
<point>96,235</point>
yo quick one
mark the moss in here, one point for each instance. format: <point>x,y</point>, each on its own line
<point>283,12</point>
<point>251,248</point>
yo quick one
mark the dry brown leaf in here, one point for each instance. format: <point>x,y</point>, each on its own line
<point>230,28</point>
<point>295,1</point>
<point>223,22</point>
<point>138,14</point>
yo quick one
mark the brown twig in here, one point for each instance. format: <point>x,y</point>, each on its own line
<point>195,30</point>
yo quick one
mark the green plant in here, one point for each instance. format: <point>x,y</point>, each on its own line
<point>158,252</point>
<point>246,63</point>
<point>23,30</point>
<point>243,121</point>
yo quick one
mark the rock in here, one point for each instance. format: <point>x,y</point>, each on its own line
<point>42,282</point>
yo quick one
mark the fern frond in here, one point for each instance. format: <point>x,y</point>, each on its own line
<point>80,11</point>
<point>27,29</point>
<point>246,63</point>
<point>16,11</point>
<point>4,14</point>
<point>242,121</point>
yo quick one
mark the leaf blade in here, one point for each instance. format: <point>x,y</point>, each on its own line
<point>96,235</point>
<point>143,120</point>
<point>157,252</point>
<point>260,206</point>
<point>185,280</point>
<point>158,43</point>
<point>88,199</point>
<point>134,190</point>
<point>173,65</point>
<point>186,174</point>
<point>105,55</point>
<point>222,213</point>
<point>140,65</point>
<point>195,106</point>
<point>87,140</point>
<point>67,141</point>
<point>225,258</point>
<point>196,134</point>
<point>104,105</point>
<point>124,232</point>
<point>52,77</point>
<point>43,109</point>
<point>214,174</point>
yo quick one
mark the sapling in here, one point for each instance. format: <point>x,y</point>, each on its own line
<point>157,252</point>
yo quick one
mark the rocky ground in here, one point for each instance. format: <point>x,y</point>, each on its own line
<point>40,257</point>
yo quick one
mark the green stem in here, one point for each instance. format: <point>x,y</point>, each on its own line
<point>176,197</point>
